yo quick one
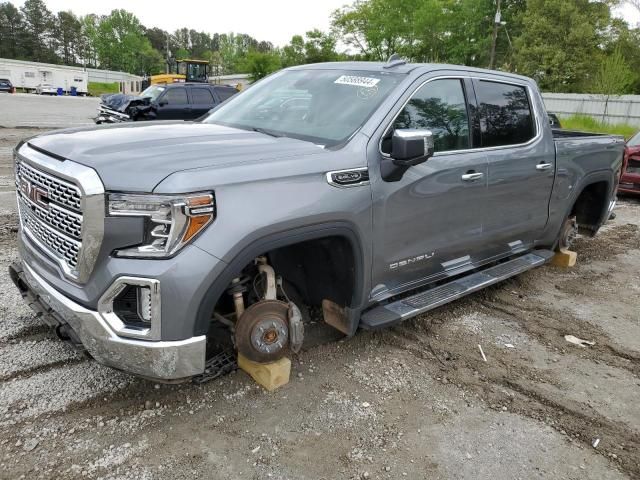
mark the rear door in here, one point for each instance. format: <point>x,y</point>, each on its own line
<point>202,101</point>
<point>174,104</point>
<point>521,159</point>
<point>429,224</point>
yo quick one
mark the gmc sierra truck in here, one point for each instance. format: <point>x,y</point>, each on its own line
<point>367,193</point>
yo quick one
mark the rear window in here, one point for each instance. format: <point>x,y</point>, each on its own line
<point>4,82</point>
<point>505,114</point>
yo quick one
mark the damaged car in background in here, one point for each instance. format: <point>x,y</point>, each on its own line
<point>180,101</point>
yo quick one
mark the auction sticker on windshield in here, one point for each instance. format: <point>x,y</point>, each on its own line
<point>355,81</point>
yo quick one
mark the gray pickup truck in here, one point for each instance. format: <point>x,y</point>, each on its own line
<point>367,193</point>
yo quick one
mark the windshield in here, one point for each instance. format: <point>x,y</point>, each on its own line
<point>323,106</point>
<point>634,141</point>
<point>153,92</point>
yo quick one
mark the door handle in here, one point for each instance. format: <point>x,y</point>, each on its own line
<point>471,176</point>
<point>544,166</point>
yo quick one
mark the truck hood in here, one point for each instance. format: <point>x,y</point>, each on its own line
<point>136,157</point>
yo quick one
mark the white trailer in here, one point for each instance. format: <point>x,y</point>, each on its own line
<point>28,75</point>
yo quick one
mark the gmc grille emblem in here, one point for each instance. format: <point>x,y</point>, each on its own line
<point>36,194</point>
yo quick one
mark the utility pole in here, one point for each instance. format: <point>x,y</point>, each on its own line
<point>168,54</point>
<point>496,24</point>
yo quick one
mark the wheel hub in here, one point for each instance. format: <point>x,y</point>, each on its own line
<point>269,335</point>
<point>262,332</point>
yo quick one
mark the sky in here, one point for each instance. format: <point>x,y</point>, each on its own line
<point>270,20</point>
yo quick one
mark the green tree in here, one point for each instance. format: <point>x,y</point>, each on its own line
<point>314,47</point>
<point>448,31</point>
<point>38,40</point>
<point>259,64</point>
<point>69,32</point>
<point>293,53</point>
<point>614,77</point>
<point>11,31</point>
<point>560,42</point>
<point>376,28</point>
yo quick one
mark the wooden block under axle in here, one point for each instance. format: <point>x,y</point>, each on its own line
<point>564,258</point>
<point>269,375</point>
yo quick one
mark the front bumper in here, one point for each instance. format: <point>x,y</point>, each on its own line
<point>158,360</point>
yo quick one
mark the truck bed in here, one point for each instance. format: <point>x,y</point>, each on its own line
<point>559,133</point>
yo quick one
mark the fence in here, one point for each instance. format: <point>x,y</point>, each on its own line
<point>607,108</point>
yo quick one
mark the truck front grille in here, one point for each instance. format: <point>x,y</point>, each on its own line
<point>59,191</point>
<point>55,212</point>
<point>60,245</point>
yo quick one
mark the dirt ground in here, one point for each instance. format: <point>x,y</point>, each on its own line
<point>417,401</point>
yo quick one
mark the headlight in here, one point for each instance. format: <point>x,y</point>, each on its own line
<point>172,220</point>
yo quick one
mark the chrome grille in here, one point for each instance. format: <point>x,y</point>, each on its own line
<point>59,191</point>
<point>60,245</point>
<point>54,219</point>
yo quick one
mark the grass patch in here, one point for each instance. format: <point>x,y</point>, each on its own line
<point>585,123</point>
<point>98,88</point>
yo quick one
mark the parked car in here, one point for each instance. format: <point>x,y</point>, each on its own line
<point>554,120</point>
<point>6,86</point>
<point>164,248</point>
<point>46,89</point>
<point>630,178</point>
<point>176,101</point>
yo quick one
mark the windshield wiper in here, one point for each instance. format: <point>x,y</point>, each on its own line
<point>271,133</point>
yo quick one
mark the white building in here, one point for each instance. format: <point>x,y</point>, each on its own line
<point>28,75</point>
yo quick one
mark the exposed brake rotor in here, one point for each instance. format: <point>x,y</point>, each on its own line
<point>262,332</point>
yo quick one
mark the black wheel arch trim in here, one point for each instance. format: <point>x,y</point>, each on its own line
<point>283,239</point>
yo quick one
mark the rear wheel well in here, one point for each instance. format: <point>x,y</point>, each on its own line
<point>590,206</point>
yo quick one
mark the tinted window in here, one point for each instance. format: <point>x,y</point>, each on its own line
<point>202,95</point>
<point>175,96</point>
<point>439,106</point>
<point>225,93</point>
<point>505,114</point>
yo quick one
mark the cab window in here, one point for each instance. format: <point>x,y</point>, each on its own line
<point>505,114</point>
<point>439,106</point>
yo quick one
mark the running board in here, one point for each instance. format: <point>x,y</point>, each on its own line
<point>395,312</point>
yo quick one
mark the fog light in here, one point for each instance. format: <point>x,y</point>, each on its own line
<point>131,306</point>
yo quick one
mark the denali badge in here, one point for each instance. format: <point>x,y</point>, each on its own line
<point>409,261</point>
<point>348,178</point>
<point>35,193</point>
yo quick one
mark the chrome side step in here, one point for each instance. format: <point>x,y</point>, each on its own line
<point>395,312</point>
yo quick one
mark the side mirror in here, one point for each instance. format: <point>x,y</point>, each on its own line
<point>409,147</point>
<point>162,103</point>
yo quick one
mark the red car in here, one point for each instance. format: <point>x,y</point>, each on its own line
<point>630,178</point>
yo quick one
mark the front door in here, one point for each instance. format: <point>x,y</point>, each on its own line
<point>429,224</point>
<point>174,105</point>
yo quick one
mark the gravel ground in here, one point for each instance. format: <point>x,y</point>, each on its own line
<point>416,401</point>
